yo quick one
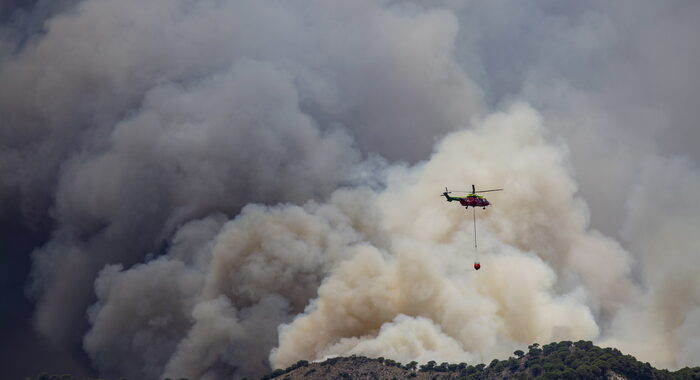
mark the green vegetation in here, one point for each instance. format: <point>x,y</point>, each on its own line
<point>564,360</point>
<point>583,360</point>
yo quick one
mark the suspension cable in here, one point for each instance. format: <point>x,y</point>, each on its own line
<point>476,251</point>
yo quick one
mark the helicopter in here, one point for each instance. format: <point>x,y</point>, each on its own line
<point>474,200</point>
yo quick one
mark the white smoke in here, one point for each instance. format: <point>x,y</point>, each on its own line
<point>518,298</point>
<point>661,228</point>
<point>234,185</point>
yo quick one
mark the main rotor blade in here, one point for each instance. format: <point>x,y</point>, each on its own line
<point>486,191</point>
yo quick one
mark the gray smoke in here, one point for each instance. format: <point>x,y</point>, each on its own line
<point>215,171</point>
<point>181,109</point>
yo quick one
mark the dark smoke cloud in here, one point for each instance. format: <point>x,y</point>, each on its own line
<point>123,121</point>
<point>133,133</point>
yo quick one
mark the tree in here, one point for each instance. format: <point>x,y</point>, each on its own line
<point>518,353</point>
<point>429,366</point>
<point>513,364</point>
<point>536,370</point>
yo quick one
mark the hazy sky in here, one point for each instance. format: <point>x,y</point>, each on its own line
<point>212,188</point>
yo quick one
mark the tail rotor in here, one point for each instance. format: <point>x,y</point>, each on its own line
<point>446,195</point>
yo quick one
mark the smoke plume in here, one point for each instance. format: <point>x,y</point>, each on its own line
<point>224,187</point>
<point>380,273</point>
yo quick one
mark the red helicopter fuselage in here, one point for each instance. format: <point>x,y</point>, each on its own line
<point>473,201</point>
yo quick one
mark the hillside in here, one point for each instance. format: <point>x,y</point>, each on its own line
<point>564,360</point>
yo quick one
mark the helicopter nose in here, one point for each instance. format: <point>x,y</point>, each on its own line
<point>477,266</point>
